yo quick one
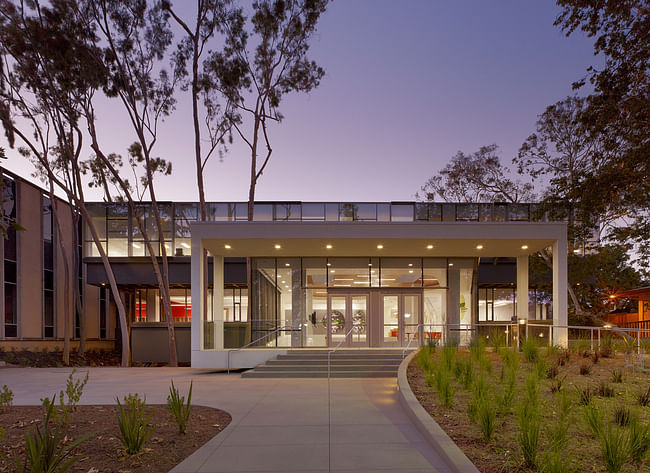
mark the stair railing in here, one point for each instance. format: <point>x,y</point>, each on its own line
<point>286,327</point>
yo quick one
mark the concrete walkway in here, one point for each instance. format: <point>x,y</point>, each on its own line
<point>279,425</point>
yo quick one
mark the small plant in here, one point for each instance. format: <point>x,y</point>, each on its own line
<point>477,348</point>
<point>585,368</point>
<point>615,447</point>
<point>510,360</point>
<point>425,361</point>
<point>639,440</point>
<point>594,419</point>
<point>552,371</point>
<point>48,449</point>
<point>595,357</point>
<point>74,389</point>
<point>507,396</point>
<point>447,358</point>
<point>540,368</point>
<point>497,340</point>
<point>622,416</point>
<point>133,423</point>
<point>643,398</point>
<point>528,438</point>
<point>606,346</point>
<point>555,462</point>
<point>605,390</point>
<point>486,419</point>
<point>584,395</point>
<point>458,369</point>
<point>617,376</point>
<point>563,357</point>
<point>532,392</point>
<point>556,385</point>
<point>531,350</point>
<point>552,351</point>
<point>467,375</point>
<point>6,398</point>
<point>177,407</point>
<point>445,389</point>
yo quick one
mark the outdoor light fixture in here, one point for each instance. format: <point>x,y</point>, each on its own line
<point>607,326</point>
<point>227,247</point>
<point>277,247</point>
<point>379,247</point>
<point>524,247</point>
<point>329,247</point>
<point>479,247</point>
<point>429,247</point>
<point>369,264</point>
<point>522,321</point>
<point>612,296</point>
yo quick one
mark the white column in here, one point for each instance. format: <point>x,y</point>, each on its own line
<point>217,301</point>
<point>560,291</point>
<point>453,305</point>
<point>522,287</point>
<point>198,297</point>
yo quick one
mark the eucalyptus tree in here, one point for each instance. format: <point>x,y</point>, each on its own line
<point>264,59</point>
<point>47,73</point>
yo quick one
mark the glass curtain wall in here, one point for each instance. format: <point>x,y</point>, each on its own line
<point>10,263</point>
<point>48,269</point>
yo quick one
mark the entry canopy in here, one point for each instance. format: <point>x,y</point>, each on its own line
<point>459,239</point>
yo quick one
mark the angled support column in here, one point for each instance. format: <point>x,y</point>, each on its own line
<point>560,293</point>
<point>198,297</point>
<point>522,287</point>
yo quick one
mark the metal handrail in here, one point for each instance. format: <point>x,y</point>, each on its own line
<point>329,353</point>
<point>286,327</point>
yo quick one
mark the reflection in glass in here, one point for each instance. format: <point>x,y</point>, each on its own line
<point>411,312</point>
<point>391,320</point>
<point>401,212</point>
<point>359,320</point>
<point>337,315</point>
<point>316,324</point>
<point>401,272</point>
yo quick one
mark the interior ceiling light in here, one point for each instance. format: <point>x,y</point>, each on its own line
<point>227,247</point>
<point>332,271</point>
<point>185,245</point>
<point>287,264</point>
<point>329,247</point>
<point>451,264</point>
<point>277,247</point>
<point>379,247</point>
<point>576,251</point>
<point>429,247</point>
<point>479,247</point>
<point>329,264</point>
<point>135,245</point>
<point>410,264</point>
<point>410,270</point>
<point>524,247</point>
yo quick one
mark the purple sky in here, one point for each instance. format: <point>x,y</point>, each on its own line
<point>408,84</point>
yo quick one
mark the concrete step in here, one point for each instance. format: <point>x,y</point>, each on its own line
<point>373,351</point>
<point>356,367</point>
<point>337,356</point>
<point>335,361</point>
<point>318,374</point>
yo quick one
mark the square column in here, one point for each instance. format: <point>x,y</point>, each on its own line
<point>522,287</point>
<point>217,301</point>
<point>453,306</point>
<point>560,293</point>
<point>198,297</point>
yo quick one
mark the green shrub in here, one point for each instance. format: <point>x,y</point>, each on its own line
<point>552,351</point>
<point>606,346</point>
<point>529,424</point>
<point>507,395</point>
<point>593,419</point>
<point>510,359</point>
<point>425,360</point>
<point>134,423</point>
<point>617,376</point>
<point>497,340</point>
<point>444,387</point>
<point>467,375</point>
<point>74,389</point>
<point>605,390</point>
<point>447,357</point>
<point>584,395</point>
<point>540,368</point>
<point>615,447</point>
<point>639,440</point>
<point>552,371</point>
<point>6,397</point>
<point>48,449</point>
<point>177,407</point>
<point>530,350</point>
<point>477,348</point>
<point>554,462</point>
<point>643,398</point>
<point>458,368</point>
<point>622,416</point>
<point>487,417</point>
<point>557,433</point>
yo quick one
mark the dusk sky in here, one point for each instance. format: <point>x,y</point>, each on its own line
<point>408,84</point>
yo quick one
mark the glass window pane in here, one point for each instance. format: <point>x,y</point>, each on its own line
<point>348,272</point>
<point>401,212</point>
<point>435,212</point>
<point>391,320</point>
<point>316,324</point>
<point>422,211</point>
<point>241,211</point>
<point>314,272</point>
<point>118,247</point>
<point>221,212</point>
<point>263,213</point>
<point>383,212</point>
<point>485,212</point>
<point>367,212</point>
<point>313,211</point>
<point>332,212</point>
<point>401,272</point>
<point>467,212</point>
<point>518,212</point>
<point>435,272</point>
<point>499,213</point>
<point>448,212</point>
<point>187,211</point>
<point>348,212</point>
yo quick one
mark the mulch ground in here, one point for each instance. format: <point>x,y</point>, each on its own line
<point>54,359</point>
<point>103,452</point>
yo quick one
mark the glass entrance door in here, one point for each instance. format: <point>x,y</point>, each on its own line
<point>400,317</point>
<point>347,312</point>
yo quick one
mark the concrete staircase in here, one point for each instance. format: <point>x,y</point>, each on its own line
<point>345,363</point>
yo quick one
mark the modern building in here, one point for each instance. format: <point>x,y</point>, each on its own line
<point>300,275</point>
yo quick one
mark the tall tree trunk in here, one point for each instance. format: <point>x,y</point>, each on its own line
<point>251,190</point>
<point>66,276</point>
<point>76,275</point>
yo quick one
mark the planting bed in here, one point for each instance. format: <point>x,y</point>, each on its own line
<point>502,453</point>
<point>102,452</point>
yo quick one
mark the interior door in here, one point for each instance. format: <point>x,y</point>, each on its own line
<point>401,315</point>
<point>347,312</point>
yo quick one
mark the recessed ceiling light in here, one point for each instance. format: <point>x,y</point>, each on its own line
<point>410,265</point>
<point>332,271</point>
<point>329,247</point>
<point>277,247</point>
<point>379,247</point>
<point>451,264</point>
<point>369,264</point>
<point>227,247</point>
<point>429,247</point>
<point>287,264</point>
<point>329,264</point>
<point>524,247</point>
<point>479,247</point>
<point>410,270</point>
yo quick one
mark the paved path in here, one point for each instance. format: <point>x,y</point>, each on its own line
<point>279,425</point>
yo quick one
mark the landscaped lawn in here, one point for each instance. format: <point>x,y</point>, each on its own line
<point>507,397</point>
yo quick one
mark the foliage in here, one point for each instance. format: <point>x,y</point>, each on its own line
<point>497,340</point>
<point>593,418</point>
<point>133,423</point>
<point>617,375</point>
<point>585,368</point>
<point>178,408</point>
<point>605,390</point>
<point>476,177</point>
<point>486,415</point>
<point>74,389</point>
<point>639,440</point>
<point>447,358</point>
<point>584,395</point>
<point>552,371</point>
<point>444,386</point>
<point>615,447</point>
<point>507,395</point>
<point>48,450</point>
<point>622,416</point>
<point>643,398</point>
<point>529,424</point>
<point>541,368</point>
<point>425,360</point>
<point>467,374</point>
<point>530,350</point>
<point>6,397</point>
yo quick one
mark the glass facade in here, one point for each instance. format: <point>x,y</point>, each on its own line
<point>48,268</point>
<point>121,235</point>
<point>10,262</point>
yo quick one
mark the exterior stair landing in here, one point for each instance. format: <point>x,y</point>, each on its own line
<point>345,363</point>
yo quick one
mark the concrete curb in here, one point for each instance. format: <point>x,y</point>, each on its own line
<point>456,460</point>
